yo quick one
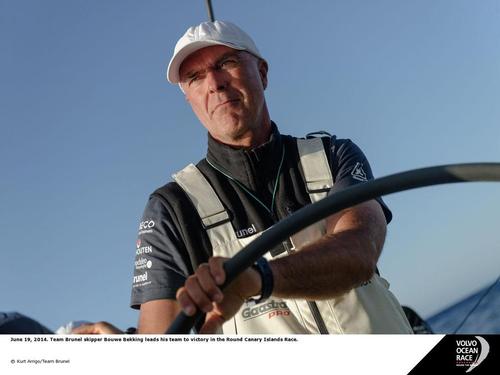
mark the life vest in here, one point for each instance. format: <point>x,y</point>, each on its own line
<point>370,308</point>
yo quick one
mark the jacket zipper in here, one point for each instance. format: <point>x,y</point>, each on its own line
<point>317,317</point>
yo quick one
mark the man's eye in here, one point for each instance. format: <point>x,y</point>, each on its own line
<point>228,63</point>
<point>193,79</point>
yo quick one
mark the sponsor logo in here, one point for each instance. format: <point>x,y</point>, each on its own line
<point>358,173</point>
<point>271,309</point>
<point>144,250</point>
<point>146,226</point>
<point>143,263</point>
<point>141,250</point>
<point>141,278</point>
<point>470,353</point>
<point>246,232</point>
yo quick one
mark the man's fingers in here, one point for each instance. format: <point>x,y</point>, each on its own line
<point>208,284</point>
<point>216,265</point>
<point>201,290</point>
<point>186,304</point>
<point>192,297</point>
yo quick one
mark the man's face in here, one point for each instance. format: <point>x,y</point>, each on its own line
<point>225,88</point>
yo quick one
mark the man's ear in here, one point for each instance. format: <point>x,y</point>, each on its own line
<point>263,68</point>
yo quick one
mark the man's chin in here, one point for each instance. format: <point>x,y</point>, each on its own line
<point>233,137</point>
<point>232,128</point>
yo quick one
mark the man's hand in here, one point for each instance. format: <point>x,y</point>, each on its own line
<point>342,259</point>
<point>100,328</point>
<point>201,292</point>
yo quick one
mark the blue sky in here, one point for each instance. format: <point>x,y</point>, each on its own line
<point>90,127</point>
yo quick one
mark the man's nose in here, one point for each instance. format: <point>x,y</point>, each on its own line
<point>216,80</point>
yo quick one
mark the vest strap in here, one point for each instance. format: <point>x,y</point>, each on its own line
<point>316,169</point>
<point>214,216</point>
<point>203,196</point>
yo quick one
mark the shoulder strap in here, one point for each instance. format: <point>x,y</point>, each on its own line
<point>317,172</point>
<point>214,216</point>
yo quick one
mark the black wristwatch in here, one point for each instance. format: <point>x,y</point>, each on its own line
<point>266,276</point>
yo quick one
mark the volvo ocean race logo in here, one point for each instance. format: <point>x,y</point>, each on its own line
<point>470,353</point>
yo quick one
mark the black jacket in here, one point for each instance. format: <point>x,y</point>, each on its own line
<point>172,241</point>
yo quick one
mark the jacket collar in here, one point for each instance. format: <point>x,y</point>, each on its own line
<point>251,167</point>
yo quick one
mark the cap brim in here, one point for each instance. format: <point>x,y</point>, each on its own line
<point>180,56</point>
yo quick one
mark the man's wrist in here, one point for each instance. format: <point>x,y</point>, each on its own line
<point>264,270</point>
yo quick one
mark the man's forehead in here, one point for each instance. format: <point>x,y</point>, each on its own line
<point>204,57</point>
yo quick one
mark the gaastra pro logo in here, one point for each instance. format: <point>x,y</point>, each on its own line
<point>146,226</point>
<point>272,309</point>
<point>470,353</point>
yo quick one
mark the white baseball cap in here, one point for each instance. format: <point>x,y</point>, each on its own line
<point>208,34</point>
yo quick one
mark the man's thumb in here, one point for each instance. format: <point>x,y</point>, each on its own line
<point>213,324</point>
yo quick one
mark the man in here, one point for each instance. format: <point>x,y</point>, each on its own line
<point>323,280</point>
